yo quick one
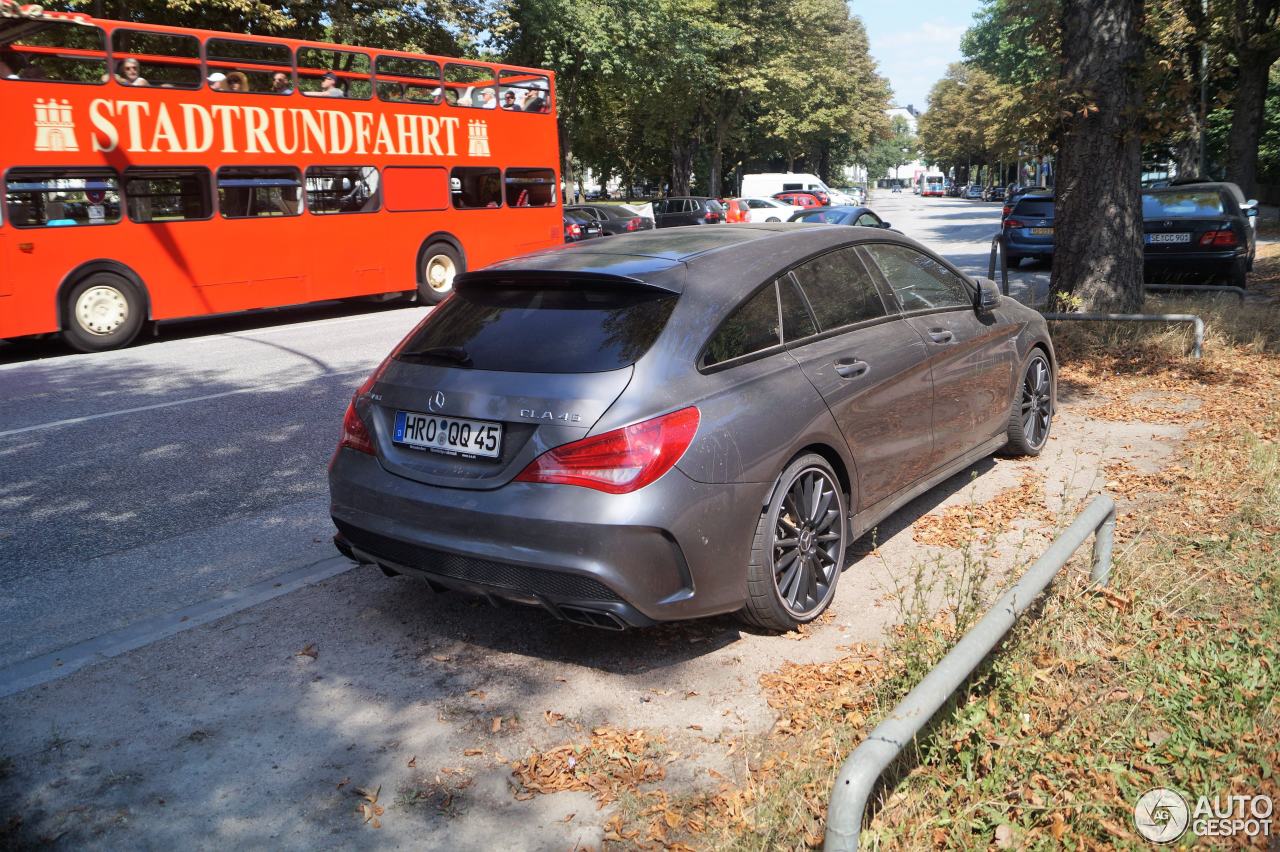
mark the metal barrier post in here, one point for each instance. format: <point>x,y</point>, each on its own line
<point>860,771</point>
<point>998,246</point>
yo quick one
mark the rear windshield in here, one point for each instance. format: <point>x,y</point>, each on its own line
<point>1182,204</point>
<point>573,329</point>
<point>1042,207</point>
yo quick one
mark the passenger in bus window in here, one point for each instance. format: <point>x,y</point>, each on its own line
<point>218,81</point>
<point>280,84</point>
<point>534,101</point>
<point>237,82</point>
<point>7,68</point>
<point>129,74</point>
<point>509,100</point>
<point>329,87</point>
<point>487,98</point>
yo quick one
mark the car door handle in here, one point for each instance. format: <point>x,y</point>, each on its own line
<point>941,335</point>
<point>851,368</point>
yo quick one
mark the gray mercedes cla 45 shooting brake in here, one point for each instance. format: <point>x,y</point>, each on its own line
<point>683,422</point>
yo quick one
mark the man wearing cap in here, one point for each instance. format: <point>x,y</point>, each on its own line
<point>216,80</point>
<point>329,87</point>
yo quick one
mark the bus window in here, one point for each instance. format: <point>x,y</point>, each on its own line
<point>156,59</point>
<point>334,73</point>
<point>249,66</point>
<point>167,195</point>
<point>469,86</point>
<point>415,81</point>
<point>35,52</point>
<point>254,192</point>
<point>531,188</point>
<point>473,187</point>
<point>55,197</point>
<point>523,92</point>
<point>411,189</point>
<point>342,189</point>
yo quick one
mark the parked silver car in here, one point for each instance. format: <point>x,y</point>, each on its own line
<point>684,422</point>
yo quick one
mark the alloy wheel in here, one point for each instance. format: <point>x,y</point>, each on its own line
<point>808,540</point>
<point>1037,405</point>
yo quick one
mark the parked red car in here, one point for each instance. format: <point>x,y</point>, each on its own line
<point>807,198</point>
<point>736,210</point>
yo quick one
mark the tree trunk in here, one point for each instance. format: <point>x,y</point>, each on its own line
<point>683,152</point>
<point>1098,232</point>
<point>1246,118</point>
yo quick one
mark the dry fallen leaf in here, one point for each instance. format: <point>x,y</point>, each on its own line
<point>309,650</point>
<point>1004,837</point>
<point>695,727</point>
<point>1058,825</point>
<point>553,719</point>
<point>472,752</point>
<point>496,726</point>
<point>344,782</point>
<point>440,658</point>
<point>413,762</point>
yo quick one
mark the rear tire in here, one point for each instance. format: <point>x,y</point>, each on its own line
<point>1239,275</point>
<point>798,548</point>
<point>773,219</point>
<point>1031,412</point>
<point>440,264</point>
<point>102,311</point>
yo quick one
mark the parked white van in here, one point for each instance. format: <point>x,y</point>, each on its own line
<point>770,183</point>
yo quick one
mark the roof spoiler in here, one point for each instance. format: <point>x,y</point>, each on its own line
<point>553,278</point>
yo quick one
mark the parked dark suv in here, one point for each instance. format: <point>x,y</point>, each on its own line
<point>1028,229</point>
<point>612,218</point>
<point>687,210</point>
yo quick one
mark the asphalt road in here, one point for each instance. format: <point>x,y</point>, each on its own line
<point>141,482</point>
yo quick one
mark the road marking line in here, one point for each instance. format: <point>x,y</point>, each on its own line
<point>72,421</point>
<point>59,664</point>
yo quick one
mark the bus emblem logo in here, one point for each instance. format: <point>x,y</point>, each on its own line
<point>478,138</point>
<point>55,128</point>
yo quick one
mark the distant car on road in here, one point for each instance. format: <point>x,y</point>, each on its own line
<point>1028,229</point>
<point>1016,190</point>
<point>1197,228</point>
<point>993,193</point>
<point>862,217</point>
<point>769,210</point>
<point>578,227</point>
<point>687,210</point>
<point>596,429</point>
<point>612,218</point>
<point>973,192</point>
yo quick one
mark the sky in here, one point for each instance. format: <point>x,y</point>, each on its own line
<point>914,41</point>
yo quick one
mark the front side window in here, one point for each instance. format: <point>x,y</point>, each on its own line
<point>34,54</point>
<point>62,197</point>
<point>919,281</point>
<point>753,327</point>
<point>475,187</point>
<point>405,80</point>
<point>840,289</point>
<point>155,59</point>
<point>520,91</point>
<point>246,193</point>
<point>533,188</point>
<point>325,73</point>
<point>469,86</point>
<point>342,189</point>
<point>167,195</point>
<point>249,67</point>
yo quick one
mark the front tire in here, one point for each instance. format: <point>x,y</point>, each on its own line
<point>440,264</point>
<point>102,311</point>
<point>1031,415</point>
<point>798,549</point>
<point>773,219</point>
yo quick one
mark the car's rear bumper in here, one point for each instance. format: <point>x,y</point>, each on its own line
<point>676,549</point>
<point>1212,262</point>
<point>1017,242</point>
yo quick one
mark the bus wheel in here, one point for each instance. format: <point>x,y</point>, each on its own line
<point>440,263</point>
<point>101,312</point>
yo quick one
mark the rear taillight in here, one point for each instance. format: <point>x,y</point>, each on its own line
<point>1014,223</point>
<point>713,217</point>
<point>573,229</point>
<point>634,224</point>
<point>354,434</point>
<point>1219,238</point>
<point>619,461</point>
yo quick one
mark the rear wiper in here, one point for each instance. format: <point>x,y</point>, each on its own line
<point>452,354</point>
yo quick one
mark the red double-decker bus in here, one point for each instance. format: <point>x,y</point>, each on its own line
<point>153,173</point>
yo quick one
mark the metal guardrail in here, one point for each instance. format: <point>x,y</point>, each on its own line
<point>1196,322</point>
<point>1193,288</point>
<point>863,768</point>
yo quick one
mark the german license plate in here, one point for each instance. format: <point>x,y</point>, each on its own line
<point>1168,238</point>
<point>1042,232</point>
<point>451,435</point>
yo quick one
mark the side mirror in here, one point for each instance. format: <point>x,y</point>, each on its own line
<point>988,295</point>
<point>885,224</point>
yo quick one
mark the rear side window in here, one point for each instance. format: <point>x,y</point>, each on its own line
<point>415,81</point>
<point>797,321</point>
<point>56,51</point>
<point>333,73</point>
<point>469,86</point>
<point>156,59</point>
<point>249,67</point>
<point>1042,207</point>
<point>753,327</point>
<point>167,195</point>
<point>59,198</point>
<point>1182,204</point>
<point>919,281</point>
<point>342,189</point>
<point>246,193</point>
<point>523,92</point>
<point>839,288</point>
<point>474,187</point>
<point>560,329</point>
<point>533,188</point>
